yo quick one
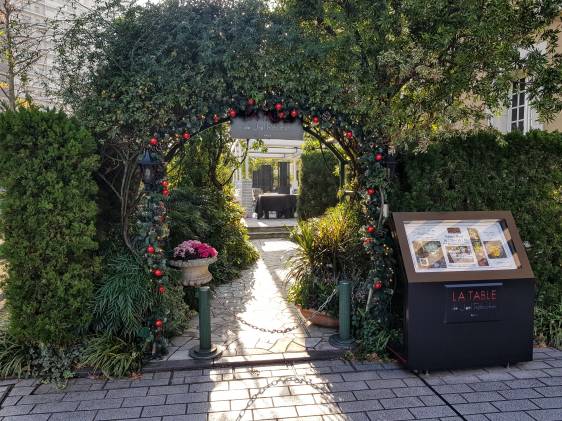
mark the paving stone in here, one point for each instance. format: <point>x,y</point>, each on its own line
<point>520,394</point>
<point>51,407</point>
<point>15,410</point>
<point>317,410</point>
<point>453,398</point>
<point>530,374</point>
<point>144,401</point>
<point>34,399</point>
<point>432,400</point>
<point>548,403</point>
<point>413,391</point>
<point>118,414</point>
<point>269,413</point>
<point>360,406</point>
<point>547,391</point>
<point>73,416</point>
<point>127,393</point>
<point>546,414</point>
<point>390,415</point>
<point>453,388</point>
<point>489,386</point>
<point>229,395</point>
<point>475,408</point>
<point>12,400</point>
<point>187,397</point>
<point>408,402</point>
<point>355,416</point>
<point>85,396</point>
<point>527,383</point>
<point>552,381</point>
<point>510,416</point>
<point>374,394</point>
<point>22,391</point>
<point>432,412</point>
<point>293,400</point>
<point>162,410</point>
<point>386,384</point>
<point>100,404</point>
<point>515,405</point>
<point>322,398</point>
<point>482,396</point>
<point>30,417</point>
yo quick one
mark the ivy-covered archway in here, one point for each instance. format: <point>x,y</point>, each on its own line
<point>371,175</point>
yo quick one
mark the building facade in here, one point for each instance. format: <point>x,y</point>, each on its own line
<point>39,14</point>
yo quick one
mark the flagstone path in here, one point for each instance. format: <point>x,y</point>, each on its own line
<point>257,297</point>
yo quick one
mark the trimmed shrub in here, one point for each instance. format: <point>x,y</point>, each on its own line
<point>488,171</point>
<point>48,212</point>
<point>319,182</point>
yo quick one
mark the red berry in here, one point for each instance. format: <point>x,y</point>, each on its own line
<point>349,134</point>
<point>378,156</point>
<point>282,115</point>
<point>232,113</point>
<point>216,118</point>
<point>166,192</point>
<point>154,141</point>
<point>186,136</point>
<point>150,250</point>
<point>294,113</point>
<point>251,101</point>
<point>159,323</point>
<point>378,285</point>
<point>158,273</point>
<point>161,289</point>
<point>278,106</point>
<point>371,192</point>
<point>165,183</point>
<point>315,119</point>
<point>370,229</point>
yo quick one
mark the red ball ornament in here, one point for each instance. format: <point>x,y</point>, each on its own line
<point>165,183</point>
<point>186,136</point>
<point>251,101</point>
<point>349,134</point>
<point>232,113</point>
<point>371,192</point>
<point>216,118</point>
<point>315,119</point>
<point>161,289</point>
<point>378,285</point>
<point>158,273</point>
<point>370,229</point>
<point>278,106</point>
<point>294,113</point>
<point>159,323</point>
<point>378,157</point>
<point>282,115</point>
<point>165,192</point>
<point>150,250</point>
<point>153,141</point>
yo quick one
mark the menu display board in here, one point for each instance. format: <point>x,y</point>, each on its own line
<point>458,245</point>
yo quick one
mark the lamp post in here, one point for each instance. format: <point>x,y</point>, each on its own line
<point>150,165</point>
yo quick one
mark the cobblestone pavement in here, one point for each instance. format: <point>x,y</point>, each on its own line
<point>323,390</point>
<point>258,297</point>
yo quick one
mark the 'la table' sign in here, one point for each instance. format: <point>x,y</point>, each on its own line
<point>261,127</point>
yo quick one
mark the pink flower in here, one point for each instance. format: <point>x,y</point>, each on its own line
<point>193,249</point>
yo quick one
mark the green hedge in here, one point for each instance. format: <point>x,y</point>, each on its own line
<point>488,171</point>
<point>48,213</point>
<point>318,181</point>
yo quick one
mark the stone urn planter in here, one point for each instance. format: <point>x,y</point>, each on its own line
<point>194,272</point>
<point>320,319</point>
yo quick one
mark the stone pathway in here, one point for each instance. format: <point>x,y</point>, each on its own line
<point>313,391</point>
<point>258,297</point>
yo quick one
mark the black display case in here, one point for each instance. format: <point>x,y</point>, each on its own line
<point>467,288</point>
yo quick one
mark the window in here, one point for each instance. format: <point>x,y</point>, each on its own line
<point>518,106</point>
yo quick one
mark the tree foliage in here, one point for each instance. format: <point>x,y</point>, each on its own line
<point>49,211</point>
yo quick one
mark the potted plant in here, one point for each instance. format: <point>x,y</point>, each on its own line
<point>193,258</point>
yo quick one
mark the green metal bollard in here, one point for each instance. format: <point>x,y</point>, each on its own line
<point>205,350</point>
<point>343,338</point>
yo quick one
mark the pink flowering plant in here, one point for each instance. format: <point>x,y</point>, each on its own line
<point>193,249</point>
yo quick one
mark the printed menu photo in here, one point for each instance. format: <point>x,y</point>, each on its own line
<point>441,246</point>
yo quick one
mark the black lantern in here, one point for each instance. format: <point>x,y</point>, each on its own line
<point>149,165</point>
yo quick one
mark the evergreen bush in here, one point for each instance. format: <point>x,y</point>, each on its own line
<point>48,221</point>
<point>489,171</point>
<point>319,182</point>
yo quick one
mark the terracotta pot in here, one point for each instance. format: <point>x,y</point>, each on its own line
<point>194,272</point>
<point>320,319</point>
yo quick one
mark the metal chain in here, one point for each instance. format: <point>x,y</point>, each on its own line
<point>281,380</point>
<point>286,330</point>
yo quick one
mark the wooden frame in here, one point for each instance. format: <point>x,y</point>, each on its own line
<point>511,233</point>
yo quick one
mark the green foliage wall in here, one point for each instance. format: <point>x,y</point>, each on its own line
<point>318,181</point>
<point>487,171</point>
<point>48,215</point>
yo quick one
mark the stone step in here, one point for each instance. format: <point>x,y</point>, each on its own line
<point>269,229</point>
<point>256,235</point>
